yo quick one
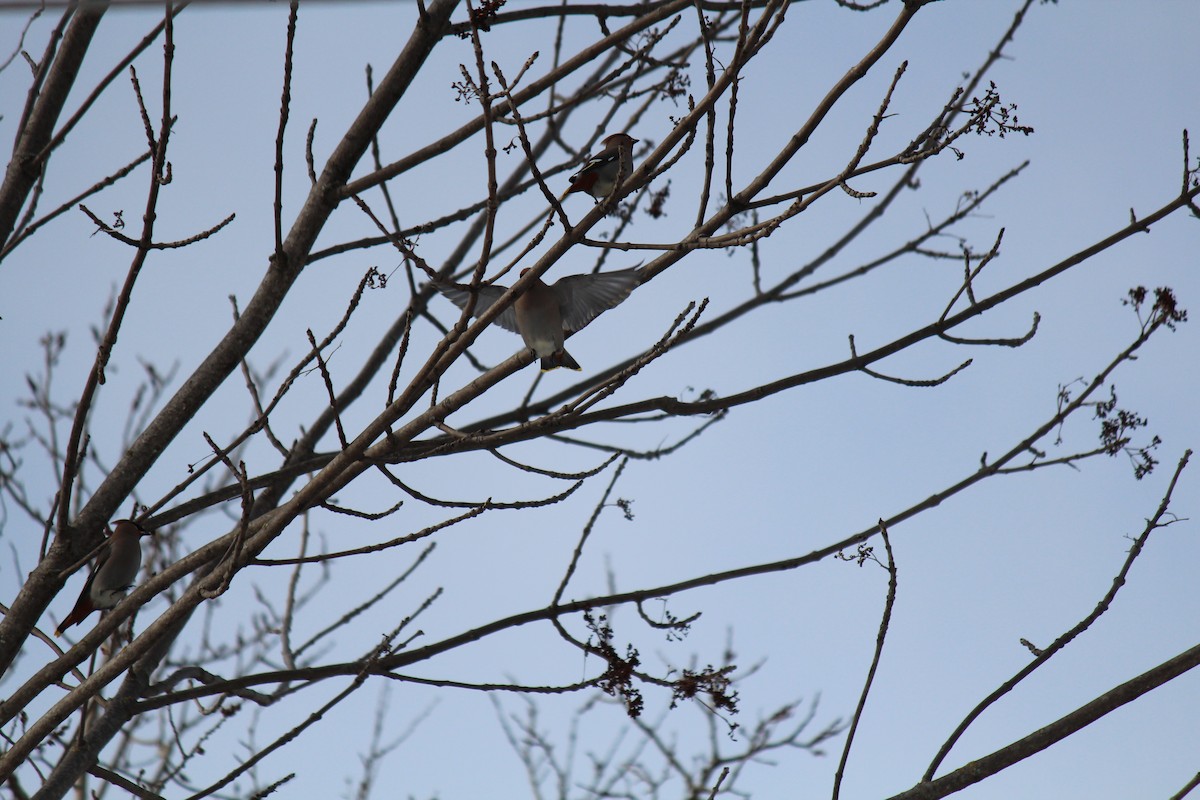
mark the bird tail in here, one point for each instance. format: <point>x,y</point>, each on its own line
<point>581,182</point>
<point>559,359</point>
<point>78,614</point>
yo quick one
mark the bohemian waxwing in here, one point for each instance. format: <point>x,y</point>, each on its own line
<point>115,572</point>
<point>544,315</point>
<point>598,176</point>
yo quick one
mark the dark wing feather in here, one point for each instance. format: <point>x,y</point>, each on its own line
<point>583,297</point>
<point>83,605</point>
<point>459,295</point>
<point>597,162</point>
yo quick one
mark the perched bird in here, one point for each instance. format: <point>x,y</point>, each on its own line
<point>544,315</point>
<point>115,572</point>
<point>598,177</point>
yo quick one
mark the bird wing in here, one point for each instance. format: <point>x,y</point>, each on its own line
<point>460,295</point>
<point>83,604</point>
<point>121,566</point>
<point>583,297</point>
<point>593,164</point>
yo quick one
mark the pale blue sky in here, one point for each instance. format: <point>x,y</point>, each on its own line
<point>1108,87</point>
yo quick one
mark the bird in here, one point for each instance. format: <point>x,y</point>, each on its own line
<point>544,315</point>
<point>598,176</point>
<point>114,573</point>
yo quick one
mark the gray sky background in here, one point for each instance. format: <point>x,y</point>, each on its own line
<point>1108,86</point>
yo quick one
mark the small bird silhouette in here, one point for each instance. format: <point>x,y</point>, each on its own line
<point>114,573</point>
<point>598,176</point>
<point>544,315</point>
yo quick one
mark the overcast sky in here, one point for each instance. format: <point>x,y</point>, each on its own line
<point>1108,87</point>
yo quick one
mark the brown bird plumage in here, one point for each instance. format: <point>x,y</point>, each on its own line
<point>598,175</point>
<point>544,315</point>
<point>115,571</point>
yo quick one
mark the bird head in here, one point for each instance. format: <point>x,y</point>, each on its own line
<point>619,140</point>
<point>128,526</point>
